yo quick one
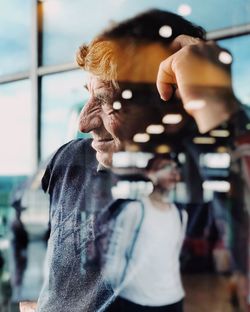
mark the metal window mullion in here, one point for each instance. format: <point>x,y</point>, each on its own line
<point>14,77</point>
<point>34,82</point>
<point>54,69</point>
<point>230,32</point>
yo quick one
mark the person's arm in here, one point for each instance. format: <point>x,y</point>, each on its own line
<point>121,241</point>
<point>202,73</point>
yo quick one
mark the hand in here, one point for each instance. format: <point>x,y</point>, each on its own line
<point>203,77</point>
<point>27,306</point>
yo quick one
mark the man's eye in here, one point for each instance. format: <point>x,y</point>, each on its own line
<point>103,100</point>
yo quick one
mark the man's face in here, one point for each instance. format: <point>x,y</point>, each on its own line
<point>98,117</point>
<point>110,127</point>
<point>165,175</point>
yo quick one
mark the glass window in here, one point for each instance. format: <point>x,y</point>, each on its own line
<point>16,129</point>
<point>15,32</point>
<point>63,96</point>
<point>68,24</point>
<point>240,49</point>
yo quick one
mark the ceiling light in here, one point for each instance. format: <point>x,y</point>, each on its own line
<point>204,140</point>
<point>225,57</point>
<point>165,31</point>
<point>222,149</point>
<point>155,129</point>
<point>217,186</point>
<point>141,138</point>
<point>127,94</point>
<point>131,159</point>
<point>132,147</point>
<point>184,9</point>
<point>195,105</point>
<point>216,160</point>
<point>220,133</point>
<point>162,149</point>
<point>117,105</point>
<point>172,119</point>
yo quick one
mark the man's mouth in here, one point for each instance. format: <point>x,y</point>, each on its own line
<point>102,144</point>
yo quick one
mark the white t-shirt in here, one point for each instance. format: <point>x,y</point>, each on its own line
<point>153,276</point>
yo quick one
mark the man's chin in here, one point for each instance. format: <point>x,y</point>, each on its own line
<point>105,159</point>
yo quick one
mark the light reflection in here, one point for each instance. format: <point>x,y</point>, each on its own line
<point>195,105</point>
<point>172,119</point>
<point>217,186</point>
<point>225,57</point>
<point>220,133</point>
<point>165,31</point>
<point>155,129</point>
<point>162,149</point>
<point>204,140</point>
<point>182,158</point>
<point>222,149</point>
<point>131,159</point>
<point>141,138</point>
<point>127,94</point>
<point>127,189</point>
<point>214,160</point>
<point>184,10</point>
<point>117,105</point>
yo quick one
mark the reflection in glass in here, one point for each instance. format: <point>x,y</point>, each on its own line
<point>16,128</point>
<point>239,47</point>
<point>67,25</point>
<point>15,32</point>
<point>62,99</point>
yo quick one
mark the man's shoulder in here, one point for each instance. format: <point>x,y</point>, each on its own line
<point>76,152</point>
<point>74,159</point>
<point>74,147</point>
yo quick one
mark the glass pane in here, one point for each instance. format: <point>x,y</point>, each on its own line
<point>16,128</point>
<point>66,26</point>
<point>63,96</point>
<point>15,32</point>
<point>240,49</point>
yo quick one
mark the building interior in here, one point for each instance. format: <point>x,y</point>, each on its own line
<point>41,95</point>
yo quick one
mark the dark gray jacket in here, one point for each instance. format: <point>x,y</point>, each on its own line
<point>78,195</point>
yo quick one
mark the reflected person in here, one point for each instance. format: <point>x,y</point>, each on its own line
<point>152,279</point>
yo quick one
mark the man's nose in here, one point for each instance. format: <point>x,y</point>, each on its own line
<point>90,117</point>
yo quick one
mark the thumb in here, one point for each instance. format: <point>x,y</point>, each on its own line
<point>165,79</point>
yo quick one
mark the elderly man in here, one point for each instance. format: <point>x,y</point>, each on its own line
<point>125,63</point>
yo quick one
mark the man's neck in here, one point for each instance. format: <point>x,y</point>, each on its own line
<point>160,199</point>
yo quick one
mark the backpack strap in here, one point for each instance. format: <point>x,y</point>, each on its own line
<point>136,234</point>
<point>116,206</point>
<point>180,208</point>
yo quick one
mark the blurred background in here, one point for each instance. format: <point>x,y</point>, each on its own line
<point>41,94</point>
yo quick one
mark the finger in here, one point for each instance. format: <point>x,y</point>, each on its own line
<point>184,40</point>
<point>165,79</point>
